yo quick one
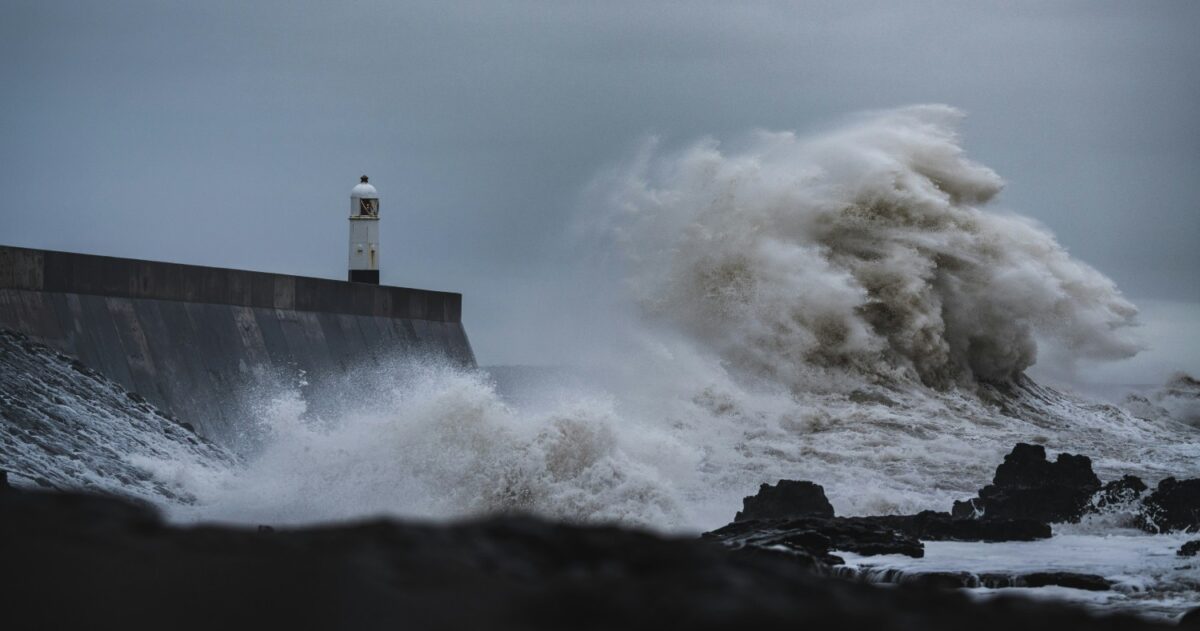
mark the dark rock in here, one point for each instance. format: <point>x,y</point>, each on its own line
<point>118,566</point>
<point>939,580</point>
<point>952,580</point>
<point>819,535</point>
<point>1090,582</point>
<point>948,579</point>
<point>967,509</point>
<point>789,498</point>
<point>889,534</point>
<point>4,485</point>
<point>800,558</point>
<point>265,529</point>
<point>1120,492</point>
<point>1189,549</point>
<point>1174,505</point>
<point>1191,619</point>
<point>935,526</point>
<point>1027,486</point>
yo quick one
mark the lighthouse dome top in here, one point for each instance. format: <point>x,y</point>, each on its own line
<point>363,190</point>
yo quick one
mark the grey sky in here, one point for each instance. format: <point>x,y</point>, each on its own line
<point>230,133</point>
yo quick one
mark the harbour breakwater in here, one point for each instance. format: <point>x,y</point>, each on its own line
<point>195,340</point>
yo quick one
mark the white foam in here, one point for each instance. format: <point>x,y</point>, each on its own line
<point>1148,577</point>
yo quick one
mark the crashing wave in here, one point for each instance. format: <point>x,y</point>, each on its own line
<point>864,253</point>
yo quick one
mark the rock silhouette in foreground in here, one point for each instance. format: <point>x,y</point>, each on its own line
<point>78,561</point>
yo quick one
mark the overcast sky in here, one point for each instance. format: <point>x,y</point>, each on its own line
<point>230,133</point>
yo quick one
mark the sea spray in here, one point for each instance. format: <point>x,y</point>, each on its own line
<point>437,442</point>
<point>862,254</point>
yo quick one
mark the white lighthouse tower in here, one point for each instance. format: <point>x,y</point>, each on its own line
<point>364,233</point>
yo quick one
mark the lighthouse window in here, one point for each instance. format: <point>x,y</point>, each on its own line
<point>368,207</point>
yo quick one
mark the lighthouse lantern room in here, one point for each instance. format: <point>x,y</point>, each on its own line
<point>364,233</point>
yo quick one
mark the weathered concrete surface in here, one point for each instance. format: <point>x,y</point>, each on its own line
<point>192,339</point>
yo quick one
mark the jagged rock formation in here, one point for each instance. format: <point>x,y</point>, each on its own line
<point>1123,492</point>
<point>1027,494</point>
<point>788,498</point>
<point>1174,505</point>
<point>1027,486</point>
<point>818,536</point>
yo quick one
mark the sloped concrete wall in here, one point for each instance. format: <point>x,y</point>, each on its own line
<point>193,340</point>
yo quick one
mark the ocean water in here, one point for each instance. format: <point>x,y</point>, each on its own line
<point>842,308</point>
<point>1148,577</point>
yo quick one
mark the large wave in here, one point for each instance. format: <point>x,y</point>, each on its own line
<point>864,251</point>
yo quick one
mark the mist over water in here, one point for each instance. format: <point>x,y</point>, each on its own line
<point>839,308</point>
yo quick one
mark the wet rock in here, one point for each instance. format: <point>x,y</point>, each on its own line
<point>787,499</point>
<point>809,527</point>
<point>939,580</point>
<point>819,536</point>
<point>868,536</point>
<point>950,579</point>
<point>967,509</point>
<point>1028,486</point>
<point>1074,580</point>
<point>1120,492</point>
<point>1189,549</point>
<point>1191,619</point>
<point>935,526</point>
<point>798,557</point>
<point>1174,505</point>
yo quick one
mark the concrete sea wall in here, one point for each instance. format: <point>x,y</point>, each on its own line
<point>195,340</point>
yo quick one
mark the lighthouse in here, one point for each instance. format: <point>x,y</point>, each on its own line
<point>364,233</point>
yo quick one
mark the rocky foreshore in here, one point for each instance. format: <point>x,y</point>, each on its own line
<point>85,561</point>
<point>1028,493</point>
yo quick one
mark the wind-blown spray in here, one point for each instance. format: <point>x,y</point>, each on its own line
<point>861,253</point>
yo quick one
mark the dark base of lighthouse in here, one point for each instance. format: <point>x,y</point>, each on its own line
<point>364,276</point>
